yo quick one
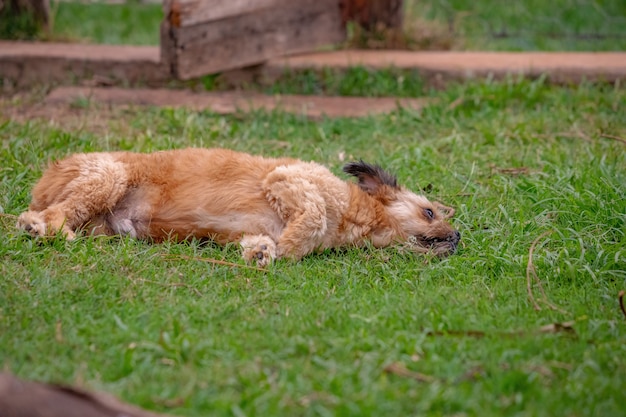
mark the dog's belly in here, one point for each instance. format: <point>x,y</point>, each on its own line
<point>222,227</point>
<point>229,227</point>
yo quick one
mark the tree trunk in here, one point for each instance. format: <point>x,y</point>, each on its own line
<point>38,9</point>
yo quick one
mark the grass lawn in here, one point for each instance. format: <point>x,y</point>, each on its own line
<point>576,25</point>
<point>536,172</point>
<point>357,332</point>
<point>127,23</point>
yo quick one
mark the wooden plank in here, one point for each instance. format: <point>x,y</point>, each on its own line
<point>193,12</point>
<point>288,17</point>
<point>264,30</point>
<point>168,42</point>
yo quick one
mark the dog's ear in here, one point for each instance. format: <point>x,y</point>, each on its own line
<point>371,177</point>
<point>447,212</point>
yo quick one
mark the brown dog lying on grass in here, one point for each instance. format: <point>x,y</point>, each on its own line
<point>274,208</point>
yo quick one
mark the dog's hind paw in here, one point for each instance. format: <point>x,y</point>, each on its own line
<point>32,222</point>
<point>258,248</point>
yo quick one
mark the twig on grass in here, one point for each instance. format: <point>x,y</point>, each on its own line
<point>617,138</point>
<point>570,134</point>
<point>6,219</point>
<point>565,327</point>
<point>562,327</point>
<point>584,136</point>
<point>8,216</point>
<point>530,267</point>
<point>170,257</point>
<point>530,270</point>
<point>456,103</point>
<point>621,301</point>
<point>170,285</point>
<point>399,369</point>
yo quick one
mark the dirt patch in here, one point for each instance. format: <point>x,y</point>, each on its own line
<point>100,109</point>
<point>31,106</point>
<point>557,66</point>
<point>233,102</point>
<point>23,64</point>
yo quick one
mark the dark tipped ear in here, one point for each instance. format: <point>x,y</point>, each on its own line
<point>371,177</point>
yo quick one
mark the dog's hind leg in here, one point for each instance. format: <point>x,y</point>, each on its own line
<point>83,186</point>
<point>258,248</point>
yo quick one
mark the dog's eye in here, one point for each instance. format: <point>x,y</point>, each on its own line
<point>429,213</point>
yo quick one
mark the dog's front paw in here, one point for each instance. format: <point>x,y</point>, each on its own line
<point>32,222</point>
<point>258,248</point>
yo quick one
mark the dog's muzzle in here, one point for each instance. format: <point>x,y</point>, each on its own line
<point>439,246</point>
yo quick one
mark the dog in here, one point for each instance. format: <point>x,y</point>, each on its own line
<point>273,207</point>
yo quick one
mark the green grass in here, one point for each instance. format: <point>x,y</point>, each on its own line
<point>314,337</point>
<point>520,26</point>
<point>23,27</point>
<point>524,25</point>
<point>354,81</point>
<point>131,23</point>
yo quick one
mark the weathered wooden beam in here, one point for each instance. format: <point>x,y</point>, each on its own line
<point>192,12</point>
<point>198,38</point>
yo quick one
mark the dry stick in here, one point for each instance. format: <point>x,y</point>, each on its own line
<point>211,261</point>
<point>567,326</point>
<point>172,284</point>
<point>617,138</point>
<point>6,218</point>
<point>530,269</point>
<point>543,293</point>
<point>399,369</point>
<point>621,301</point>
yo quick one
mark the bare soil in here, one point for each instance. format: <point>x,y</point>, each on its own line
<point>27,70</point>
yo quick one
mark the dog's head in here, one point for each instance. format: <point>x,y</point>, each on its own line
<point>421,224</point>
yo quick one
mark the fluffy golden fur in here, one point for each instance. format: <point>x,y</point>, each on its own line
<point>275,208</point>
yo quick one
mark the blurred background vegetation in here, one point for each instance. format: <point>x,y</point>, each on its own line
<point>523,25</point>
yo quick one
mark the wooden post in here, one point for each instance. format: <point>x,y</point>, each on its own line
<point>372,15</point>
<point>200,37</point>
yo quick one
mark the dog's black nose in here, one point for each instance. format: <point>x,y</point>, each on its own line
<point>454,238</point>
